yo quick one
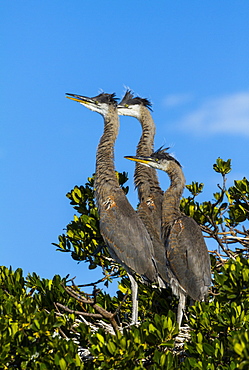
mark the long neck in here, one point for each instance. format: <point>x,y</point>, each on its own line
<point>145,178</point>
<point>146,142</point>
<point>171,200</point>
<point>105,177</point>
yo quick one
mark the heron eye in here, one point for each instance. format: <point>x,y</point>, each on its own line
<point>126,106</point>
<point>96,102</point>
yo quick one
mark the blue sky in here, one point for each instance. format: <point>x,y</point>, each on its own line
<point>190,58</point>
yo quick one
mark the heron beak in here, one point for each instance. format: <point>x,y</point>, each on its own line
<point>79,98</point>
<point>144,160</point>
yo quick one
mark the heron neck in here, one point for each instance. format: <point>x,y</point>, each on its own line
<point>171,200</point>
<point>146,142</point>
<point>105,177</point>
<point>145,178</point>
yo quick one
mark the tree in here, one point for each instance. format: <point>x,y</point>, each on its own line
<point>53,324</point>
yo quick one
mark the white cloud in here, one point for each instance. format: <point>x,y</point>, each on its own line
<point>174,100</point>
<point>227,114</point>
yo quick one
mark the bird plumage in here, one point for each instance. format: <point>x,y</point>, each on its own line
<point>186,252</point>
<point>145,178</point>
<point>123,231</point>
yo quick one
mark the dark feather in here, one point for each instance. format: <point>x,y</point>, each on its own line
<point>106,98</point>
<point>129,99</point>
<point>162,153</point>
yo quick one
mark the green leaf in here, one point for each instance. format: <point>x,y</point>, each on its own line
<point>62,364</point>
<point>208,348</point>
<point>195,188</point>
<point>111,347</point>
<point>223,167</point>
<point>100,338</point>
<point>239,347</point>
<point>37,324</point>
<point>163,359</point>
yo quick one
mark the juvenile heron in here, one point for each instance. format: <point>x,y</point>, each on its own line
<point>145,178</point>
<point>124,233</point>
<point>186,251</point>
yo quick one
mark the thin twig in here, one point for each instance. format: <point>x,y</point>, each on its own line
<point>98,281</point>
<point>104,313</point>
<point>95,315</point>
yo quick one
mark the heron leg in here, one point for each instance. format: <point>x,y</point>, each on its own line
<point>181,306</point>
<point>134,294</point>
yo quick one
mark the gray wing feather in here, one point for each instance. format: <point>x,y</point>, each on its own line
<point>132,248</point>
<point>188,257</point>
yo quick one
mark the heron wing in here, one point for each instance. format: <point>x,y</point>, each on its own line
<point>126,236</point>
<point>188,257</point>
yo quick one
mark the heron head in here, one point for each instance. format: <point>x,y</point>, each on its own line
<point>160,160</point>
<point>99,103</point>
<point>131,106</point>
